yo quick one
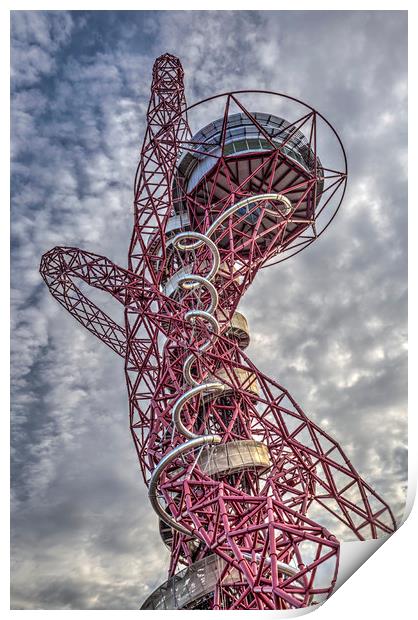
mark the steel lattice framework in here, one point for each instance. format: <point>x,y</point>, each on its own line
<point>248,489</point>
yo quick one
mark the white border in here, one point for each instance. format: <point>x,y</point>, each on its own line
<point>390,574</point>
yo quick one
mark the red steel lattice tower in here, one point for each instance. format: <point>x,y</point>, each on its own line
<point>252,496</point>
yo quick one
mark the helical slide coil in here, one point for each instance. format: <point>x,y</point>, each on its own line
<point>189,282</point>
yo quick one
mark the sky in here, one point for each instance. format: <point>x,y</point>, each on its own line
<point>329,324</point>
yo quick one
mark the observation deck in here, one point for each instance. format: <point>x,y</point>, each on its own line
<point>243,137</point>
<point>252,156</point>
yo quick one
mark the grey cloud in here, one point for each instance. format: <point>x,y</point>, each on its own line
<point>37,37</point>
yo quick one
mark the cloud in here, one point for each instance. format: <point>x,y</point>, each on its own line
<point>329,324</point>
<point>37,38</point>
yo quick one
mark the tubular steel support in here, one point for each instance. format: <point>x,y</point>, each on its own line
<point>257,496</point>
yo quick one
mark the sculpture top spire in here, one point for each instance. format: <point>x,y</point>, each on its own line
<point>167,74</point>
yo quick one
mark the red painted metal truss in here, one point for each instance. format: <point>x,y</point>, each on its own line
<point>253,497</point>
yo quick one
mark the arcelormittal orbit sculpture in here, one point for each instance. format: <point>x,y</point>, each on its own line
<point>252,496</point>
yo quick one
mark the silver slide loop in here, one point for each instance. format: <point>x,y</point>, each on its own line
<point>281,198</point>
<point>165,461</point>
<point>250,201</point>
<point>191,317</point>
<point>191,281</point>
<point>187,370</point>
<point>206,388</point>
<point>201,240</point>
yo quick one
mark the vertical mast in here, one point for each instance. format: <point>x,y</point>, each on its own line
<point>166,129</point>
